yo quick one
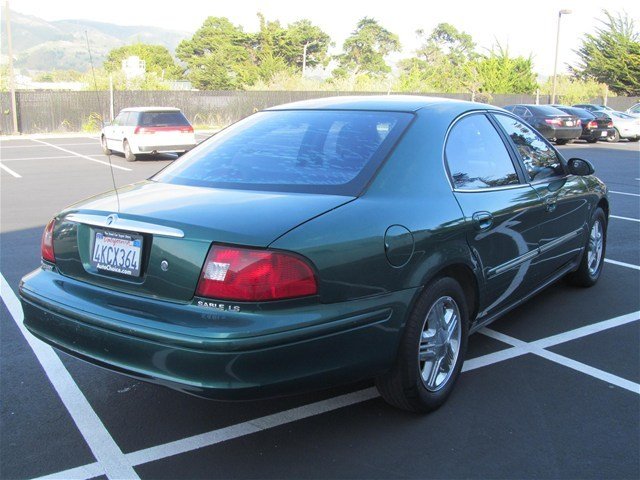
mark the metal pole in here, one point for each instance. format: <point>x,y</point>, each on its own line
<point>555,63</point>
<point>111,98</point>
<point>304,59</point>
<point>12,83</point>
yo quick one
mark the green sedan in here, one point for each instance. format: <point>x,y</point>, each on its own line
<point>318,243</point>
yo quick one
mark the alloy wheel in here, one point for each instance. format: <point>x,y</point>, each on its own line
<point>596,244</point>
<point>440,343</point>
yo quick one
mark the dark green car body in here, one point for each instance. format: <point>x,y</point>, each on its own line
<point>372,254</point>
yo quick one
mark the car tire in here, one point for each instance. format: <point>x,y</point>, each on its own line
<point>128,154</point>
<point>615,138</point>
<point>103,144</point>
<point>414,383</point>
<point>592,140</point>
<point>563,141</point>
<point>633,139</point>
<point>592,260</point>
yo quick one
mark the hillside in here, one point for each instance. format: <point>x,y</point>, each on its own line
<point>42,45</point>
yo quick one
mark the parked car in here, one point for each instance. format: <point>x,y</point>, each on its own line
<point>592,107</point>
<point>594,127</point>
<point>320,242</point>
<point>552,123</point>
<point>625,126</point>
<point>634,110</point>
<point>148,130</point>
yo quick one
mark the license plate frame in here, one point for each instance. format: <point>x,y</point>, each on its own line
<point>116,252</point>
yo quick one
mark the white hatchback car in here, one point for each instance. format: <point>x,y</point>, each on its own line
<point>148,130</point>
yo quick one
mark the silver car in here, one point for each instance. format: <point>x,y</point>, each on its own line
<point>634,111</point>
<point>625,126</point>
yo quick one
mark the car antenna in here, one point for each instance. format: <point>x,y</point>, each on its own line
<point>95,87</point>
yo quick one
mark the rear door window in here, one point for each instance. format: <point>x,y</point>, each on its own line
<point>476,156</point>
<point>319,151</point>
<point>541,161</point>
<point>162,119</point>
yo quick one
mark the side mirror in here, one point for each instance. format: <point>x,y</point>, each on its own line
<point>578,166</point>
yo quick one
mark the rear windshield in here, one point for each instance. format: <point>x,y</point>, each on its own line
<point>545,110</point>
<point>578,112</point>
<point>318,151</point>
<point>162,119</point>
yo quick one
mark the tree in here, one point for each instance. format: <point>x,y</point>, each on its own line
<point>365,50</point>
<point>284,47</point>
<point>157,58</point>
<point>440,61</point>
<point>612,55</point>
<point>498,72</point>
<point>219,56</point>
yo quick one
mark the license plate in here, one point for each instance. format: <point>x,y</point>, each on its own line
<point>603,134</point>
<point>569,123</point>
<point>117,252</point>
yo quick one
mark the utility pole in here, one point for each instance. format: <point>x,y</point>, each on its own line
<point>12,83</point>
<point>555,63</point>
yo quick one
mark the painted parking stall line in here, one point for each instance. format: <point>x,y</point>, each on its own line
<point>13,173</point>
<point>20,159</point>
<point>625,218</point>
<point>536,349</point>
<point>622,264</point>
<point>105,450</point>
<point>625,193</point>
<point>518,348</point>
<point>81,155</point>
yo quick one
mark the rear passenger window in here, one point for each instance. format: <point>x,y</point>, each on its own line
<point>477,157</point>
<point>540,160</point>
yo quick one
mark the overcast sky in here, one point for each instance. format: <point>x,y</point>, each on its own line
<point>526,27</point>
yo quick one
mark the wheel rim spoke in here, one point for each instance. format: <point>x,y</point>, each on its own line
<point>439,343</point>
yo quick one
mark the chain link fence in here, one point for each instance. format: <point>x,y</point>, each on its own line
<point>57,111</point>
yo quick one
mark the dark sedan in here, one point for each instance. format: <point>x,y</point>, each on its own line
<point>320,242</point>
<point>595,126</point>
<point>552,123</point>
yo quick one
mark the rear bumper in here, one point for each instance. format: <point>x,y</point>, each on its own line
<point>342,342</point>
<point>596,134</point>
<point>560,133</point>
<point>164,148</point>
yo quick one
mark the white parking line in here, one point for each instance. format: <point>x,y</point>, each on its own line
<point>113,462</point>
<point>622,264</point>
<point>536,349</point>
<point>9,171</point>
<point>60,144</point>
<point>625,218</point>
<point>221,435</point>
<point>625,193</point>
<point>80,155</point>
<point>36,158</point>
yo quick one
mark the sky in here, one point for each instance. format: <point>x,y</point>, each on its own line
<point>527,28</point>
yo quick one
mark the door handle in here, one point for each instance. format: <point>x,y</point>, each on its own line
<point>482,220</point>
<point>550,204</point>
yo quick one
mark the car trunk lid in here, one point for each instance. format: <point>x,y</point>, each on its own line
<point>166,231</point>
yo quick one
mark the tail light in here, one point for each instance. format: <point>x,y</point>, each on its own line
<point>247,275</point>
<point>592,124</point>
<point>610,125</point>
<point>553,121</point>
<point>144,130</point>
<point>46,246</point>
<point>171,128</point>
<point>578,123</point>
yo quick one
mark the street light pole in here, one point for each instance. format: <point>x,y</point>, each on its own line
<point>12,81</point>
<point>555,63</point>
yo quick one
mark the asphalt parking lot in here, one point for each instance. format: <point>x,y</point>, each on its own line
<point>550,391</point>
